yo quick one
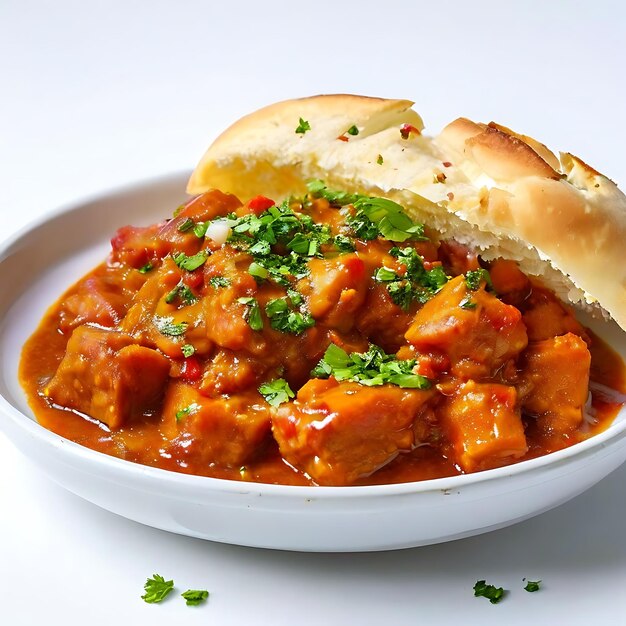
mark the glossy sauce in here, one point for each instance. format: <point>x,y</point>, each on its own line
<point>148,440</point>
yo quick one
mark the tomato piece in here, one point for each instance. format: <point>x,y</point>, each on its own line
<point>193,279</point>
<point>259,204</point>
<point>192,368</point>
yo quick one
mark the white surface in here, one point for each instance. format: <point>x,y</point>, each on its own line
<point>100,93</point>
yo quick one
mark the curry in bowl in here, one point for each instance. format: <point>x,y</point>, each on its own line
<point>328,339</point>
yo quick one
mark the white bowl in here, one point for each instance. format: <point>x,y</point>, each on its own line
<point>37,264</point>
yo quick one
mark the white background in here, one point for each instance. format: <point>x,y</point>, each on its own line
<point>97,94</point>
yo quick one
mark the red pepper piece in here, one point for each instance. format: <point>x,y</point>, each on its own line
<point>259,204</point>
<point>407,129</point>
<point>191,369</point>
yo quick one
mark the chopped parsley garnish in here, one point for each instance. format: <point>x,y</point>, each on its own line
<point>417,284</point>
<point>353,130</point>
<point>276,392</point>
<point>373,216</point>
<point>166,326</point>
<point>253,313</point>
<point>188,410</point>
<point>390,219</point>
<point>493,594</point>
<point>193,597</point>
<point>258,271</point>
<point>219,281</point>
<point>318,189</point>
<point>144,269</point>
<point>187,350</point>
<point>185,225</point>
<point>303,127</point>
<point>190,263</point>
<point>467,303</point>
<point>362,227</point>
<point>473,278</point>
<point>343,243</point>
<point>287,320</point>
<point>371,368</point>
<point>183,292</point>
<point>298,236</point>
<point>199,230</point>
<point>532,585</point>
<point>379,159</point>
<point>157,589</point>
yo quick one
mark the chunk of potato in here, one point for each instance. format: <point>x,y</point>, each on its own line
<point>482,425</point>
<point>556,374</point>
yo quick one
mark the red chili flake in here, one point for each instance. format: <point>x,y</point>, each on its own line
<point>450,196</point>
<point>407,129</point>
<point>191,369</point>
<point>447,164</point>
<point>440,177</point>
<point>342,138</point>
<point>259,204</point>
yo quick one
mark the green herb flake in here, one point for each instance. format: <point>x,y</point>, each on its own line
<point>157,589</point>
<point>253,313</point>
<point>390,218</point>
<point>417,284</point>
<point>303,127</point>
<point>473,278</point>
<point>317,189</point>
<point>467,303</point>
<point>276,392</point>
<point>193,597</point>
<point>532,586</point>
<point>190,263</point>
<point>379,159</point>
<point>385,275</point>
<point>188,350</point>
<point>185,225</point>
<point>353,130</point>
<point>492,593</point>
<point>144,269</point>
<point>344,243</point>
<point>287,320</point>
<point>219,282</point>
<point>187,411</point>
<point>258,271</point>
<point>183,292</point>
<point>371,368</point>
<point>199,230</point>
<point>166,326</point>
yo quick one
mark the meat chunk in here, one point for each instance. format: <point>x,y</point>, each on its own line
<point>473,328</point>
<point>105,376</point>
<point>556,374</point>
<point>98,300</point>
<point>137,245</point>
<point>383,321</point>
<point>224,430</point>
<point>154,319</point>
<point>337,289</point>
<point>483,425</point>
<point>546,316</point>
<point>339,432</point>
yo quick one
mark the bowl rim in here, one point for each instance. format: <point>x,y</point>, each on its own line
<point>123,468</point>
